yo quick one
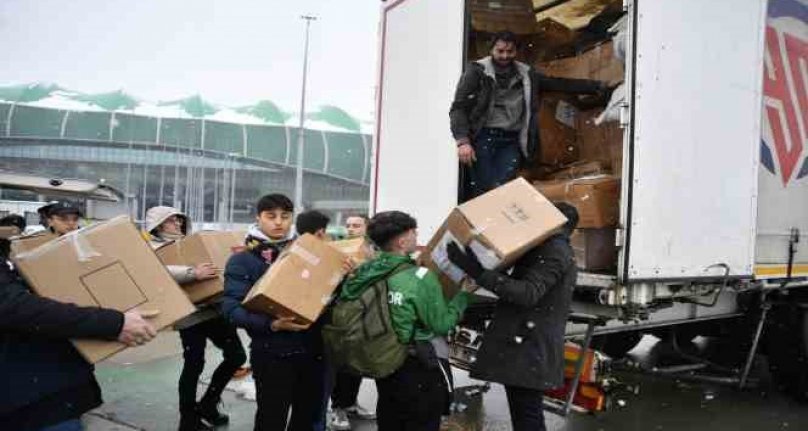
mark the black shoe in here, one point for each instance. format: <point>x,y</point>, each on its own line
<point>212,416</point>
<point>192,422</point>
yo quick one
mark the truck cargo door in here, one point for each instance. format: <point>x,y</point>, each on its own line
<point>697,73</point>
<point>783,183</point>
<point>415,159</point>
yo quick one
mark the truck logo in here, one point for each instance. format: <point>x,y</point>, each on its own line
<point>785,90</point>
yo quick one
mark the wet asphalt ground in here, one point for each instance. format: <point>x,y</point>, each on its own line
<point>140,393</point>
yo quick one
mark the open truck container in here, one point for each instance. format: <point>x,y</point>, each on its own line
<point>711,147</point>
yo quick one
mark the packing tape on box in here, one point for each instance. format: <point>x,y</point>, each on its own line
<point>304,254</point>
<point>335,279</point>
<point>488,258</point>
<point>441,258</point>
<point>84,251</point>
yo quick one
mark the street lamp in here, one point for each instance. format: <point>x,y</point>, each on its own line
<point>301,139</point>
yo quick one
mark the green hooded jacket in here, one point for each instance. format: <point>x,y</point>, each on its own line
<point>415,297</point>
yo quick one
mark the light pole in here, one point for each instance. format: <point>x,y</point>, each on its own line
<point>301,138</point>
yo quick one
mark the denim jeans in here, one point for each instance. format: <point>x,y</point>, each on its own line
<point>526,407</point>
<point>69,425</point>
<point>498,159</point>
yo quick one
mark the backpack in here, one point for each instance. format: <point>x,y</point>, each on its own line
<point>359,337</point>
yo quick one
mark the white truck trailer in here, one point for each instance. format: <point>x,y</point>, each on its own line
<point>714,200</point>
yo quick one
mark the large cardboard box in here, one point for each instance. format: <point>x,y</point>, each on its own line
<point>359,249</point>
<point>300,283</point>
<point>595,249</point>
<point>202,247</point>
<point>500,226</point>
<point>597,198</point>
<point>27,243</point>
<point>602,143</point>
<point>105,265</point>
<point>557,135</point>
<point>598,63</point>
<point>7,232</point>
<point>579,170</point>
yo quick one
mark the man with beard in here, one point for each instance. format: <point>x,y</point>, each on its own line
<point>493,116</point>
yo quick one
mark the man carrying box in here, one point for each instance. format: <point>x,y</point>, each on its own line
<point>523,348</point>
<point>286,356</point>
<point>346,385</point>
<point>416,395</point>
<point>164,225</point>
<point>48,384</point>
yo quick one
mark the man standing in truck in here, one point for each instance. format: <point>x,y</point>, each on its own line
<point>493,116</point>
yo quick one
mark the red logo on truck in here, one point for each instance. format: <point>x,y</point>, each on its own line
<point>785,87</point>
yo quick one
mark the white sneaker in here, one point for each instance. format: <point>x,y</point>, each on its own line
<point>339,420</point>
<point>360,412</point>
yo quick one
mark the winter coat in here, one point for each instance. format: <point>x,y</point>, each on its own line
<point>418,309</point>
<point>182,274</point>
<point>243,269</point>
<point>472,103</point>
<point>524,345</point>
<point>45,380</point>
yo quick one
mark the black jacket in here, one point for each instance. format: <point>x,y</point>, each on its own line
<point>242,271</point>
<point>472,101</point>
<point>524,345</point>
<point>44,379</point>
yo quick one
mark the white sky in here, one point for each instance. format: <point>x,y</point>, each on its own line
<point>232,52</point>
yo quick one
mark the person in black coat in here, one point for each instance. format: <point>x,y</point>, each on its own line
<point>523,348</point>
<point>286,357</point>
<point>47,383</point>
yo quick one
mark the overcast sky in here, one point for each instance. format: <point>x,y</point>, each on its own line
<point>232,52</point>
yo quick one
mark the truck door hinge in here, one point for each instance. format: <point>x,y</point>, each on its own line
<point>620,237</point>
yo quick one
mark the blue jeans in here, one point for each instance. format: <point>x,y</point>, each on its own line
<point>526,407</point>
<point>498,160</point>
<point>69,425</point>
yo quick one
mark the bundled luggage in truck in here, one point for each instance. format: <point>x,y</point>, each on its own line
<point>692,180</point>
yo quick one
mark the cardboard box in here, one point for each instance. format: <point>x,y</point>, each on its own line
<point>7,232</point>
<point>579,170</point>
<point>27,243</point>
<point>357,248</point>
<point>300,283</point>
<point>598,63</point>
<point>557,135</point>
<point>202,247</point>
<point>596,198</point>
<point>105,265</point>
<point>595,249</point>
<point>500,226</point>
<point>603,143</point>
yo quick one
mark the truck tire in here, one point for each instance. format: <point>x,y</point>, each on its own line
<point>616,345</point>
<point>787,347</point>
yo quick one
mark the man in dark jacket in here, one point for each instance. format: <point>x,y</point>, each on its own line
<point>286,357</point>
<point>47,384</point>
<point>523,348</point>
<point>493,116</point>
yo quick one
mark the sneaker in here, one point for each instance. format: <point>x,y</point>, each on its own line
<point>339,420</point>
<point>359,412</point>
<point>212,416</point>
<point>193,423</point>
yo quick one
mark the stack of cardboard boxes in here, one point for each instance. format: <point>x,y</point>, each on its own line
<point>581,162</point>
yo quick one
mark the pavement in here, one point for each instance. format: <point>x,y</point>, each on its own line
<point>139,388</point>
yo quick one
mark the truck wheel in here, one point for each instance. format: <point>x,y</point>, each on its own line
<point>616,345</point>
<point>787,346</point>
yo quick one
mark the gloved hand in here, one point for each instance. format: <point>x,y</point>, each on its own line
<point>467,261</point>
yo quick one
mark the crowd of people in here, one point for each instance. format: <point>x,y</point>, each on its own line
<point>492,119</point>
